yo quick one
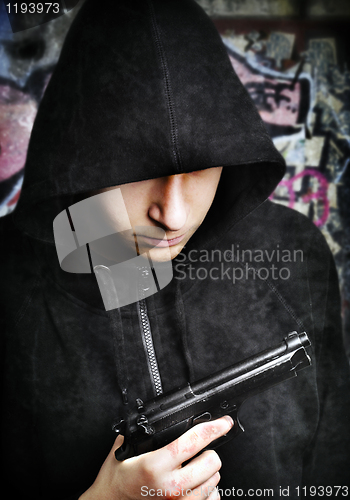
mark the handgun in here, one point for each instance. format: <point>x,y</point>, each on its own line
<point>157,422</point>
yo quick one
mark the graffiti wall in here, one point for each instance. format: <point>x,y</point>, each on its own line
<point>301,87</point>
<point>296,72</point>
<point>27,59</point>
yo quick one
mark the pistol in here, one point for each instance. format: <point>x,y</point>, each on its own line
<point>157,422</point>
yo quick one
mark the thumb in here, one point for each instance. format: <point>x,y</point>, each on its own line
<point>118,442</point>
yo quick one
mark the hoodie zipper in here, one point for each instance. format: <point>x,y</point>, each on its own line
<point>146,333</point>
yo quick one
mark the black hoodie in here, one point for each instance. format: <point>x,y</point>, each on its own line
<point>144,89</point>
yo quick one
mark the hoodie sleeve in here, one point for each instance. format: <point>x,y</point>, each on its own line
<point>327,461</point>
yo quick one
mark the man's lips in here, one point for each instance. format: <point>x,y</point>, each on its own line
<point>156,242</point>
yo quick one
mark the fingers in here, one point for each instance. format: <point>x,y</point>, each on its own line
<point>214,495</point>
<point>199,470</point>
<point>208,489</point>
<point>192,442</point>
<point>163,468</point>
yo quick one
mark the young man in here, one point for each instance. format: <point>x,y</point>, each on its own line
<point>144,100</point>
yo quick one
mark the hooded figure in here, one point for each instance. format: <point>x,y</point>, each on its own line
<point>144,90</point>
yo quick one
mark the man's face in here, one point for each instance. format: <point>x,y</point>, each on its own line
<point>176,204</point>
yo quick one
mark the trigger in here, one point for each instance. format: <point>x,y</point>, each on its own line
<point>237,427</point>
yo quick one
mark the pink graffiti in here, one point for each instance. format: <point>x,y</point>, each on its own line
<point>17,113</point>
<point>320,194</point>
<point>283,111</point>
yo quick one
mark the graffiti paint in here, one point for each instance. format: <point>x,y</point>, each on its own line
<point>320,194</point>
<point>26,63</point>
<point>305,105</point>
<point>17,113</point>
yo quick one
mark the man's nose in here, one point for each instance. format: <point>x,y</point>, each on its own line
<point>169,207</point>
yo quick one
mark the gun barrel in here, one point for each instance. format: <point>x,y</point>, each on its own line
<point>283,351</point>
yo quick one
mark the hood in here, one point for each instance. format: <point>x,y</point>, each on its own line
<point>144,89</point>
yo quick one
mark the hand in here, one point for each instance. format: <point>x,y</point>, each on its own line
<point>161,473</point>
